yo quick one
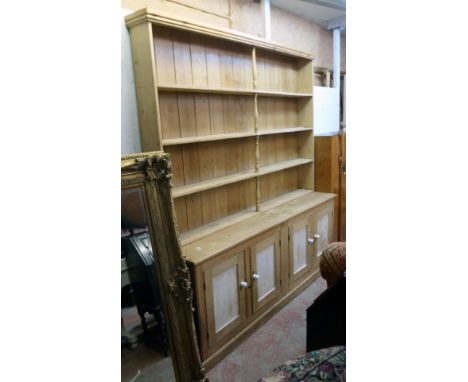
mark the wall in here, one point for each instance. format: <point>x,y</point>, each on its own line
<point>129,132</point>
<point>242,15</point>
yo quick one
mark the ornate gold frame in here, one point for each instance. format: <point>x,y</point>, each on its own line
<point>152,173</point>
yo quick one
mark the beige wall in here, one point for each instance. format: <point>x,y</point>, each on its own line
<point>246,16</point>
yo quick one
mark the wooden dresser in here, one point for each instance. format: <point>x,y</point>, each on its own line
<point>235,112</point>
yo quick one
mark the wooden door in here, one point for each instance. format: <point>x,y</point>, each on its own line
<point>341,233</point>
<point>323,228</point>
<point>301,259</point>
<point>265,277</point>
<point>330,175</point>
<point>328,169</point>
<point>225,297</point>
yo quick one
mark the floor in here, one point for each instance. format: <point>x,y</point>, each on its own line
<point>280,339</point>
<point>145,363</point>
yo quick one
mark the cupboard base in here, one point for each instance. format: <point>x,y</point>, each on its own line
<point>233,343</point>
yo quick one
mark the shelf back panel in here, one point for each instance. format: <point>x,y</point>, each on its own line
<point>278,148</point>
<point>278,183</point>
<point>200,114</point>
<point>277,113</point>
<point>196,162</point>
<point>280,72</point>
<point>204,207</point>
<point>190,59</point>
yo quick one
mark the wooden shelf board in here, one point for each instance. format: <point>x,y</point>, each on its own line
<point>206,138</point>
<point>284,130</point>
<point>212,183</point>
<point>283,165</point>
<point>285,198</point>
<point>237,177</point>
<point>194,89</point>
<point>199,251</point>
<point>197,233</point>
<point>220,137</point>
<point>274,93</point>
<point>207,229</point>
<point>235,91</point>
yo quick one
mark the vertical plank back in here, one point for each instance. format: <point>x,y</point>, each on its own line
<point>191,60</point>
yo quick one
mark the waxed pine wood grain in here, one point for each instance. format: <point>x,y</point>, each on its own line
<point>187,60</point>
<point>198,209</point>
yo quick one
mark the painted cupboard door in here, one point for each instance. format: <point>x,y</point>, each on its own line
<point>323,229</point>
<point>225,297</point>
<point>300,249</point>
<point>265,277</point>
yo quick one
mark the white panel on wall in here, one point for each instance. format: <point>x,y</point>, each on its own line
<point>266,271</point>
<point>225,298</point>
<point>129,132</point>
<point>326,110</point>
<point>299,249</point>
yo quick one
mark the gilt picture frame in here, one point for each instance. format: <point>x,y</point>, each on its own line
<point>151,173</point>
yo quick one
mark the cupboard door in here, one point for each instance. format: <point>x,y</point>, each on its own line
<point>225,297</point>
<point>300,251</point>
<point>265,275</point>
<point>323,229</point>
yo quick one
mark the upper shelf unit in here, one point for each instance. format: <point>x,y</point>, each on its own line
<point>234,111</point>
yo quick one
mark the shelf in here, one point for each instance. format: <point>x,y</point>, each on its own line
<point>194,89</point>
<point>212,183</point>
<point>188,237</point>
<point>206,138</point>
<point>285,198</point>
<point>279,210</point>
<point>283,165</point>
<point>273,93</point>
<point>284,130</point>
<point>235,91</point>
<point>210,228</point>
<point>237,177</point>
<point>220,137</point>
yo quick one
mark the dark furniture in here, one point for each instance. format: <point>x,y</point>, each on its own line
<point>326,318</point>
<point>145,291</point>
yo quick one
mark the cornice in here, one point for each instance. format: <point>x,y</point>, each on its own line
<point>164,19</point>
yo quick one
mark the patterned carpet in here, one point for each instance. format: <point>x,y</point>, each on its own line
<point>280,339</point>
